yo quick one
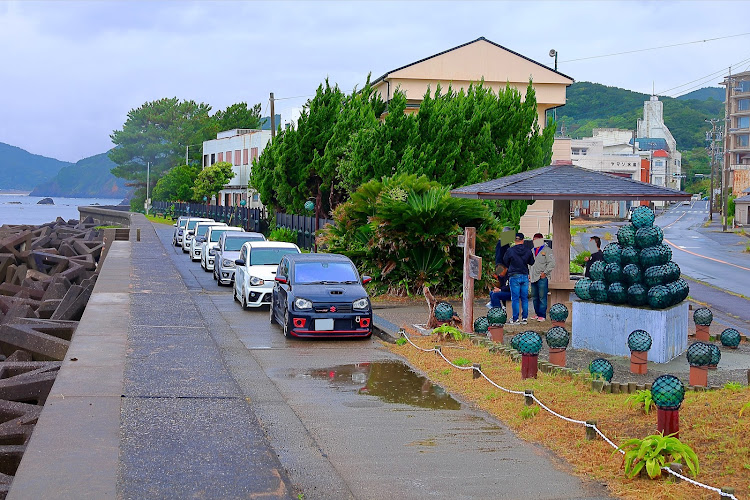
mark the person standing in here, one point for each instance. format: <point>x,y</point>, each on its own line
<point>595,247</point>
<point>539,273</point>
<point>517,259</point>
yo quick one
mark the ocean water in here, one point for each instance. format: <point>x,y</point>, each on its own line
<point>23,209</point>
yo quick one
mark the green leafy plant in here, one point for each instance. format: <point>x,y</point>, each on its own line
<point>654,452</point>
<point>449,332</point>
<point>734,386</point>
<point>744,407</point>
<point>447,371</point>
<point>461,362</point>
<point>641,399</point>
<point>575,268</point>
<point>401,341</point>
<point>528,412</point>
<point>283,234</point>
<point>580,257</point>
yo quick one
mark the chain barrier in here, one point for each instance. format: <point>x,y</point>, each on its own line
<point>563,417</point>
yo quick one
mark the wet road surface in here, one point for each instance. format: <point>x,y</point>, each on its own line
<point>348,420</point>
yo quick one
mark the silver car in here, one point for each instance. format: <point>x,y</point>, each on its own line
<point>200,237</point>
<point>208,252</point>
<point>228,251</point>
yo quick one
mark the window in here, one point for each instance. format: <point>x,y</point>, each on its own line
<point>580,151</point>
<point>254,153</point>
<point>743,140</point>
<point>237,153</point>
<point>243,253</point>
<point>221,157</point>
<point>216,234</point>
<point>244,157</point>
<point>255,197</point>
<point>743,105</point>
<point>213,158</point>
<point>743,122</point>
<point>324,272</point>
<point>744,85</point>
<point>205,160</point>
<point>229,156</point>
<point>268,256</point>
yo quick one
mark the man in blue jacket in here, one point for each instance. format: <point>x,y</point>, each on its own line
<point>517,259</point>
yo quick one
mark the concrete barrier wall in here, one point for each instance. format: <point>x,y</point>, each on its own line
<point>74,450</point>
<point>105,216</point>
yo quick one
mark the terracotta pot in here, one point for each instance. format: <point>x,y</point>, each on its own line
<point>496,333</point>
<point>668,422</point>
<point>702,333</point>
<point>699,376</point>
<point>529,365</point>
<point>638,361</point>
<point>558,323</point>
<point>557,356</point>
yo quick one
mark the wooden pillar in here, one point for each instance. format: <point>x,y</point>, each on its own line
<point>559,283</point>
<point>467,322</point>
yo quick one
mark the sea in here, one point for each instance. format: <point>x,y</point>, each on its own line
<point>20,208</point>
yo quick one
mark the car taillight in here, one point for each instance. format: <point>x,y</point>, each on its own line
<point>299,322</point>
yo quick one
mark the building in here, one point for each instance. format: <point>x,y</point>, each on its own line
<point>737,138</point>
<point>240,147</point>
<point>653,135</point>
<point>742,209</point>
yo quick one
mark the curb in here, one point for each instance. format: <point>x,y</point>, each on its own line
<point>384,329</point>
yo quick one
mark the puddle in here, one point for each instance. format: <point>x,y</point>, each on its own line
<point>390,381</point>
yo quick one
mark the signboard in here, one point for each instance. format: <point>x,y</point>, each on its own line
<point>475,267</point>
<point>461,241</point>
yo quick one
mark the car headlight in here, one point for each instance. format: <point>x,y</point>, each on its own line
<point>302,304</point>
<point>255,281</point>
<point>227,263</point>
<point>361,304</point>
<point>211,251</point>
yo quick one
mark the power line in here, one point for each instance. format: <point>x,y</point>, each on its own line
<point>293,97</point>
<point>655,48</point>
<point>706,77</point>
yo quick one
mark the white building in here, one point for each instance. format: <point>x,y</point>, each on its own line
<point>652,126</point>
<point>240,147</point>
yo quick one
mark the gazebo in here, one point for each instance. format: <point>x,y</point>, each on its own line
<point>563,182</point>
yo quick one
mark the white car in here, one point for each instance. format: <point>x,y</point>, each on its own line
<point>187,233</point>
<point>208,252</point>
<point>256,269</point>
<point>179,227</point>
<point>228,250</point>
<point>200,237</point>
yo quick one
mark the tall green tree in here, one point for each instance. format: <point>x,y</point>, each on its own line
<point>212,179</point>
<point>177,184</point>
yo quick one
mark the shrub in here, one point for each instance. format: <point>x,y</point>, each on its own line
<point>580,257</point>
<point>641,399</point>
<point>653,452</point>
<point>449,332</point>
<point>283,234</point>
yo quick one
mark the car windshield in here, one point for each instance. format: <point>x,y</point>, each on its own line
<point>268,256</point>
<point>202,230</point>
<point>234,244</point>
<point>191,224</point>
<point>306,273</point>
<point>216,234</point>
<point>181,223</point>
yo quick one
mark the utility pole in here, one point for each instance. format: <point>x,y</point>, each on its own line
<point>148,181</point>
<point>273,119</point>
<point>186,155</point>
<point>725,163</point>
<point>712,153</point>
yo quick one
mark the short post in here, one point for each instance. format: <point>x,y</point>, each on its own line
<point>699,376</point>
<point>558,338</point>
<point>557,356</point>
<point>476,369</point>
<point>438,349</point>
<point>590,430</point>
<point>497,333</point>
<point>668,392</point>
<point>676,467</point>
<point>703,318</point>
<point>639,343</point>
<point>138,234</point>
<point>702,332</point>
<point>528,397</point>
<point>668,422</point>
<point>638,362</point>
<point>728,490</point>
<point>529,366</point>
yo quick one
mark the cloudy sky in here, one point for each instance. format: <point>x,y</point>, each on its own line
<point>71,70</point>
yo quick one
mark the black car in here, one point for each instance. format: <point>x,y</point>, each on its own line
<point>320,295</point>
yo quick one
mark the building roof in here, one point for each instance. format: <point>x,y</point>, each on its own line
<point>660,153</point>
<point>481,38</point>
<point>747,190</point>
<point>566,182</point>
<point>650,143</point>
<point>743,199</point>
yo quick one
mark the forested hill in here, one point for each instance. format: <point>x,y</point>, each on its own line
<point>88,178</point>
<point>21,170</point>
<point>592,105</point>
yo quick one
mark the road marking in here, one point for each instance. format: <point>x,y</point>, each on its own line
<point>704,257</point>
<point>675,222</point>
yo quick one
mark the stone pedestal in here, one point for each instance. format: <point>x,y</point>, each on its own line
<point>668,422</point>
<point>605,328</point>
<point>699,375</point>
<point>702,333</point>
<point>496,333</point>
<point>638,360</point>
<point>529,365</point>
<point>557,356</point>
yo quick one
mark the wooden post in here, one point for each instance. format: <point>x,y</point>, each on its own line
<point>559,283</point>
<point>467,324</point>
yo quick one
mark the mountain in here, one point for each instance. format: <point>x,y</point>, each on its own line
<point>21,170</point>
<point>706,93</point>
<point>592,105</point>
<point>87,178</point>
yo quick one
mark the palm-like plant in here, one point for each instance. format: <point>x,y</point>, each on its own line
<point>654,452</point>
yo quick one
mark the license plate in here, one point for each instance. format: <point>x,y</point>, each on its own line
<point>324,324</point>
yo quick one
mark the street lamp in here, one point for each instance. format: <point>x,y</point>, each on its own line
<point>148,181</point>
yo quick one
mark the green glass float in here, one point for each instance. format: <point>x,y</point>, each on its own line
<point>598,291</point>
<point>558,337</point>
<point>642,217</point>
<point>659,297</point>
<point>497,316</point>
<point>443,311</point>
<point>514,341</point>
<point>630,255</point>
<point>715,355</point>
<point>612,272</point>
<point>637,295</point>
<point>668,392</point>
<point>699,354</point>
<point>674,292</point>
<point>648,237</point>
<point>309,206</point>
<point>673,271</point>
<point>617,293</point>
<point>582,288</point>
<point>626,236</point>
<point>649,257</point>
<point>730,338</point>
<point>667,251</point>
<point>655,275</point>
<point>558,312</point>
<point>639,340</point>
<point>529,343</point>
<point>631,274</point>
<point>612,253</point>
<point>597,270</point>
<point>481,325</point>
<point>703,316</point>
<point>684,290</point>
<point>602,368</point>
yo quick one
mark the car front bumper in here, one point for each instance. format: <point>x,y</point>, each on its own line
<point>344,324</point>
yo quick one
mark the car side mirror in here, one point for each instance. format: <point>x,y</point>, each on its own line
<point>174,225</point>
<point>366,279</point>
<point>281,279</point>
<point>239,262</point>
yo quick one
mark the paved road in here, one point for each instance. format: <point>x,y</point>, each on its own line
<point>706,254</point>
<point>347,421</point>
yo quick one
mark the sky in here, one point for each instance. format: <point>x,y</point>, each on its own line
<point>71,70</point>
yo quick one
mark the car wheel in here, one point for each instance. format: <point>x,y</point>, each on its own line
<point>271,317</point>
<point>288,327</point>
<point>234,295</point>
<point>244,302</point>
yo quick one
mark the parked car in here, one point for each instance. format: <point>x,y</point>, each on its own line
<point>179,227</point>
<point>320,295</point>
<point>227,252</point>
<point>187,235</point>
<point>255,271</point>
<point>199,237</point>
<point>209,246</point>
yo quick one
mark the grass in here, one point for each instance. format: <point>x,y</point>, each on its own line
<point>160,220</point>
<point>575,230</point>
<point>709,422</point>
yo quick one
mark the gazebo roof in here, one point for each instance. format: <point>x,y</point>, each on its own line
<point>567,182</point>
